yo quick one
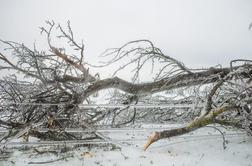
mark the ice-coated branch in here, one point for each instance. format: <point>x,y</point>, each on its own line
<point>169,83</point>
<point>140,53</point>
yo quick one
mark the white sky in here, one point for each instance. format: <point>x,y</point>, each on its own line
<point>197,32</point>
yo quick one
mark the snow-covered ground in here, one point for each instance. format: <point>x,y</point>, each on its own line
<point>202,147</point>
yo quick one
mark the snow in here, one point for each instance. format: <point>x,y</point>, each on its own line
<point>203,147</point>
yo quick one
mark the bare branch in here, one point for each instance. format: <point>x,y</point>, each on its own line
<point>170,83</point>
<point>141,52</point>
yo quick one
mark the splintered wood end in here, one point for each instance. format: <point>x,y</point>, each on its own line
<point>152,138</point>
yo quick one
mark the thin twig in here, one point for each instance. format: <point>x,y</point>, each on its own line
<point>50,161</point>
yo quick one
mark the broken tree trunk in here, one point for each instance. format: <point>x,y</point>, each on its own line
<point>195,124</point>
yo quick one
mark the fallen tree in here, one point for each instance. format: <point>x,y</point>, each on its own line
<point>58,81</point>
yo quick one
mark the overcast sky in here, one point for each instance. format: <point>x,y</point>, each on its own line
<point>197,32</point>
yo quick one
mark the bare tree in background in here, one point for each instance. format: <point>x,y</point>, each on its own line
<point>58,81</point>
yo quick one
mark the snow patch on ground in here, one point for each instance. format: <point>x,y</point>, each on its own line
<point>203,147</point>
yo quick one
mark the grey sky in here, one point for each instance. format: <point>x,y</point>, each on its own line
<point>197,32</point>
